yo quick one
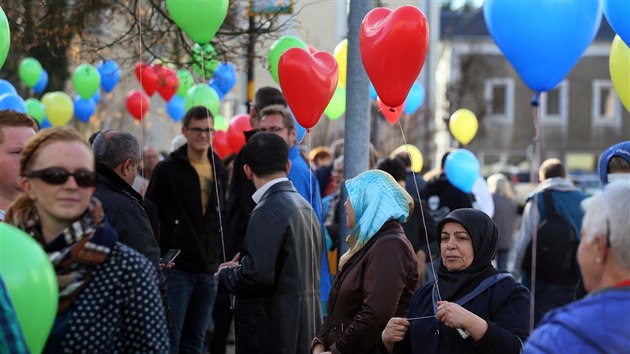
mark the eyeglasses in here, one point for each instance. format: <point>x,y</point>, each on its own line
<point>273,129</point>
<point>198,131</point>
<point>57,176</point>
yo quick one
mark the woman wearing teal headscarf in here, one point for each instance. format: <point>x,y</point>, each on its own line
<point>378,273</point>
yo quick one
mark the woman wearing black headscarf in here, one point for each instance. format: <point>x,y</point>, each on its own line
<point>473,308</point>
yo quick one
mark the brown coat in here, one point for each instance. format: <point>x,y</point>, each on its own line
<point>373,287</point>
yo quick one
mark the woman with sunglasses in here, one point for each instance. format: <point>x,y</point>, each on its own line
<point>108,297</point>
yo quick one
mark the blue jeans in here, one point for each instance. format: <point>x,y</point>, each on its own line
<point>191,299</point>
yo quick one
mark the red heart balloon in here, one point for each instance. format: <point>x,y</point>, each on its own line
<point>137,104</point>
<point>391,114</point>
<point>393,47</point>
<point>308,82</point>
<point>167,82</point>
<point>147,77</point>
<point>235,137</point>
<point>220,144</point>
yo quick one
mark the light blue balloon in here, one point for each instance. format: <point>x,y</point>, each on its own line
<point>110,74</point>
<point>462,169</point>
<point>13,102</point>
<point>7,87</point>
<point>414,98</point>
<point>83,109</point>
<point>373,93</point>
<point>41,85</point>
<point>618,15</point>
<point>543,39</point>
<point>176,108</point>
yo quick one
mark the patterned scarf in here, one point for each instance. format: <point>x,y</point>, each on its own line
<point>79,248</point>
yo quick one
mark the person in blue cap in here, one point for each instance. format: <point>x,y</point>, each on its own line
<point>614,164</point>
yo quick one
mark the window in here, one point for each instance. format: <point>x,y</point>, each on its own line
<point>606,109</point>
<point>554,105</point>
<point>499,97</point>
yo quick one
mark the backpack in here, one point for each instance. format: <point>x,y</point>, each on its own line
<point>556,248</point>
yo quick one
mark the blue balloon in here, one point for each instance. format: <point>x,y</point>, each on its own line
<point>41,85</point>
<point>45,123</point>
<point>176,108</point>
<point>462,169</point>
<point>414,98</point>
<point>543,39</point>
<point>13,102</point>
<point>224,79</point>
<point>83,109</point>
<point>618,15</point>
<point>110,74</point>
<point>373,93</point>
<point>7,87</point>
<point>97,97</point>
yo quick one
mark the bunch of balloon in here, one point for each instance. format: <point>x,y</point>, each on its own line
<point>337,105</point>
<point>235,137</point>
<point>341,55</point>
<point>279,47</point>
<point>559,41</point>
<point>137,104</point>
<point>110,74</point>
<point>308,82</point>
<point>202,95</point>
<point>462,169</point>
<point>58,107</point>
<point>5,37</point>
<point>200,19</point>
<point>390,113</point>
<point>414,154</point>
<point>619,65</point>
<point>31,283</point>
<point>30,71</point>
<point>205,60</point>
<point>393,47</point>
<point>168,83</point>
<point>220,144</point>
<point>463,125</point>
<point>86,80</point>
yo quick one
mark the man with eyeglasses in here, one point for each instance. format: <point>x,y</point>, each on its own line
<point>15,130</point>
<point>189,191</point>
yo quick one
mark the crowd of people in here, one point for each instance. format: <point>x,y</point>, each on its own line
<point>260,236</point>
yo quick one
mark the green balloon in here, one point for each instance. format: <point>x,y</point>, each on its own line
<point>337,105</point>
<point>86,79</point>
<point>5,37</point>
<point>31,283</point>
<point>202,95</point>
<point>205,60</point>
<point>35,109</point>
<point>278,48</point>
<point>186,81</point>
<point>30,70</point>
<point>200,19</point>
<point>220,123</point>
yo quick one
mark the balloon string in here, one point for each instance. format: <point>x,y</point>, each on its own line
<point>424,223</point>
<point>535,163</point>
<point>420,318</point>
<point>142,168</point>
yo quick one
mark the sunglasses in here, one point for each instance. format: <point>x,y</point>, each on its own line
<point>57,176</point>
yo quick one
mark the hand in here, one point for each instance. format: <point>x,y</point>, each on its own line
<point>394,332</point>
<point>167,266</point>
<point>222,266</point>
<point>455,316</point>
<point>318,348</point>
<point>236,257</point>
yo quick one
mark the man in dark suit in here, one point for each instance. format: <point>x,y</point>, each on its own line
<point>277,281</point>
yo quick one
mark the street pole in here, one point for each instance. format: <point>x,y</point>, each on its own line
<point>357,123</point>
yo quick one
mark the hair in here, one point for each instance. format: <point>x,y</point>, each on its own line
<point>266,154</point>
<point>10,118</point>
<point>268,96</point>
<point>403,156</point>
<point>287,118</point>
<point>499,184</point>
<point>197,113</point>
<point>444,157</point>
<point>618,164</point>
<point>551,168</point>
<point>610,208</point>
<point>113,147</point>
<point>320,152</point>
<point>44,138</point>
<point>394,167</point>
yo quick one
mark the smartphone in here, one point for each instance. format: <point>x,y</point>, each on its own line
<point>170,256</point>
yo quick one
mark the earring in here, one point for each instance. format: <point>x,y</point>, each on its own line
<point>598,260</point>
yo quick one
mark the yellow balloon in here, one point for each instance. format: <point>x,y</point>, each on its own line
<point>619,64</point>
<point>463,125</point>
<point>59,108</point>
<point>341,54</point>
<point>414,154</point>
